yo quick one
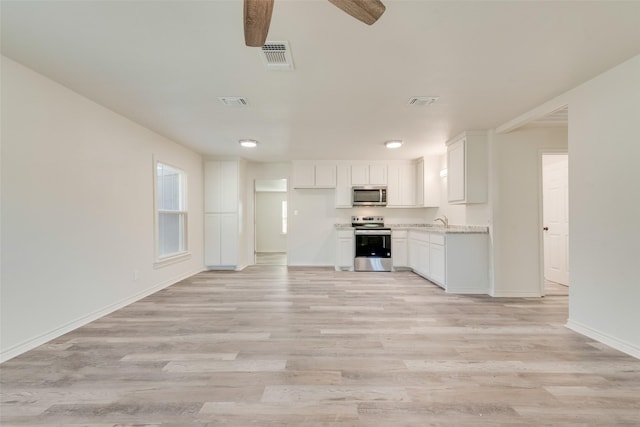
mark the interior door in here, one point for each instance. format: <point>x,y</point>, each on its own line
<point>555,181</point>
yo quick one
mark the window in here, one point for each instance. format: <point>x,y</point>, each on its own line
<point>284,217</point>
<point>171,214</point>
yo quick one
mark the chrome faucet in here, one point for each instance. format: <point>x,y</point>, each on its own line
<point>444,220</point>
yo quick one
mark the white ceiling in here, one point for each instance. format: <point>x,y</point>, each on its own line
<point>165,63</point>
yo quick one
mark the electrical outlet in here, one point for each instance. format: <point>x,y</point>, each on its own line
<point>136,274</point>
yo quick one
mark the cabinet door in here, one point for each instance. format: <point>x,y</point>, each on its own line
<point>221,186</point>
<point>399,252</point>
<point>304,175</point>
<point>437,263</point>
<point>378,174</point>
<point>414,254</point>
<point>407,179</point>
<point>228,239</point>
<point>359,174</point>
<point>419,252</point>
<point>325,176</point>
<point>212,183</point>
<point>393,186</point>
<point>428,181</point>
<point>423,258</point>
<point>343,186</point>
<point>345,252</point>
<point>456,171</point>
<point>229,186</point>
<point>419,180</point>
<point>212,239</point>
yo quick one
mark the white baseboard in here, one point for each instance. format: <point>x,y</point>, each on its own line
<point>467,291</point>
<point>32,343</point>
<point>611,341</point>
<point>309,264</point>
<point>515,294</point>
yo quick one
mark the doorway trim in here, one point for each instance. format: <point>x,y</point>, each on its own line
<point>256,182</point>
<point>542,152</point>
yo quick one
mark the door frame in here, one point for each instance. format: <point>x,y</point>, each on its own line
<point>255,210</point>
<point>542,152</point>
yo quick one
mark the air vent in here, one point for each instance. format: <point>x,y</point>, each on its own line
<point>277,56</point>
<point>238,101</point>
<point>422,100</point>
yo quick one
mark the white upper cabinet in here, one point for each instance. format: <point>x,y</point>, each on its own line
<point>307,174</point>
<point>428,182</point>
<point>221,186</point>
<point>414,183</point>
<point>467,165</point>
<point>401,187</point>
<point>343,185</point>
<point>368,174</point>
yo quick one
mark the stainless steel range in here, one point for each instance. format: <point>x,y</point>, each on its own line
<point>373,244</point>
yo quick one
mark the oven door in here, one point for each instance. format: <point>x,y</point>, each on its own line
<point>373,250</point>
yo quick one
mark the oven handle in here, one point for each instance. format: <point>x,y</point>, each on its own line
<point>373,232</point>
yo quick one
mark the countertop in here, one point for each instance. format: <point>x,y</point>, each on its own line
<point>429,227</point>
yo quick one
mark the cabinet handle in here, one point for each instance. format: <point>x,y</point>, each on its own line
<point>546,228</point>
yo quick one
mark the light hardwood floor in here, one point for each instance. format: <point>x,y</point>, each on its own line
<point>271,258</point>
<point>278,346</point>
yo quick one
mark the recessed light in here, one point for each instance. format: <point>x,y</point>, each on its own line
<point>248,143</point>
<point>393,144</point>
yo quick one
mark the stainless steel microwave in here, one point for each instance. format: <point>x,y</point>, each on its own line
<point>369,196</point>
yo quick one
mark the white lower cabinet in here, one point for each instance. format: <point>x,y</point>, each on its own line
<point>437,259</point>
<point>419,252</point>
<point>399,248</point>
<point>345,250</point>
<point>221,240</point>
<point>458,262</point>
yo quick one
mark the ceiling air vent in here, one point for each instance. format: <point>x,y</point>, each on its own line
<point>238,101</point>
<point>277,56</point>
<point>422,100</point>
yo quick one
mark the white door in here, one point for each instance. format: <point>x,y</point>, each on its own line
<point>555,192</point>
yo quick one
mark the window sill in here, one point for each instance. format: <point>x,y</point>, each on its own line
<point>173,259</point>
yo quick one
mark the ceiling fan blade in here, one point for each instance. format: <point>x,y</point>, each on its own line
<point>367,11</point>
<point>257,17</point>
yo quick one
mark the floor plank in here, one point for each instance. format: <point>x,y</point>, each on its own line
<point>278,346</point>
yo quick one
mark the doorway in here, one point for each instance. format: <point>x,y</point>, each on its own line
<point>555,223</point>
<point>271,221</point>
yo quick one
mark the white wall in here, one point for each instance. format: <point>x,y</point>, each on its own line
<point>312,239</point>
<point>516,195</point>
<point>604,207</point>
<point>269,237</point>
<point>77,210</point>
